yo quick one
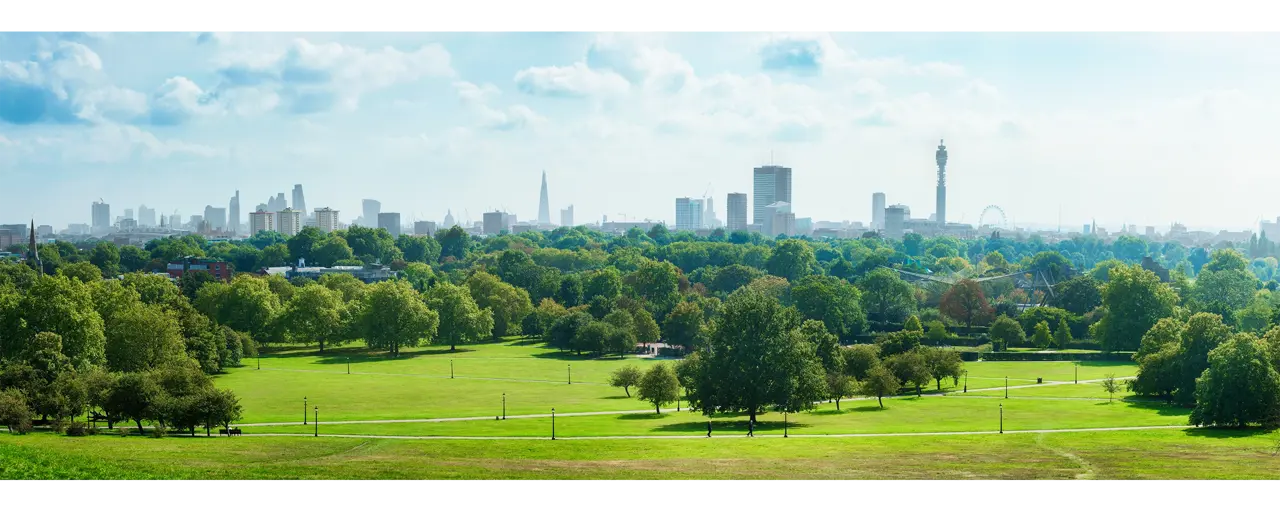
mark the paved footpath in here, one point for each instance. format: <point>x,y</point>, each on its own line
<point>735,436</point>
<point>643,411</point>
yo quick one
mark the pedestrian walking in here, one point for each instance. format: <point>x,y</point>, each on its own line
<point>751,428</point>
<point>708,428</point>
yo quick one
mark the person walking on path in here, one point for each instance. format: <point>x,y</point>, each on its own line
<point>751,428</point>
<point>708,428</point>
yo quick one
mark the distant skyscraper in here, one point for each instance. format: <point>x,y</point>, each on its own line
<point>877,210</point>
<point>709,220</point>
<point>448,219</point>
<point>688,214</point>
<point>101,215</point>
<point>424,227</point>
<point>299,201</point>
<point>736,214</point>
<point>261,220</point>
<point>771,184</point>
<point>289,221</point>
<point>371,209</point>
<point>146,216</point>
<point>941,157</point>
<point>233,222</point>
<point>390,221</point>
<point>497,222</point>
<point>544,206</point>
<point>566,217</point>
<point>778,220</point>
<point>895,219</point>
<point>216,217</point>
<point>175,221</point>
<point>128,214</point>
<point>326,219</point>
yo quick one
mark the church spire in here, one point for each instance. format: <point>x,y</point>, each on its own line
<point>34,256</point>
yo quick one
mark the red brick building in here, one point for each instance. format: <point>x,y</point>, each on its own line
<point>219,269</point>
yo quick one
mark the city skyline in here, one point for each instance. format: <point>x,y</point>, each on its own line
<point>852,114</point>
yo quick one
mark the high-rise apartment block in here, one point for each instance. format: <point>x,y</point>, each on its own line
<point>216,217</point>
<point>390,221</point>
<point>261,220</point>
<point>566,217</point>
<point>233,222</point>
<point>771,184</point>
<point>146,216</point>
<point>299,201</point>
<point>688,214</point>
<point>101,216</point>
<point>736,214</point>
<point>288,221</point>
<point>424,228</point>
<point>877,211</point>
<point>326,219</point>
<point>371,209</point>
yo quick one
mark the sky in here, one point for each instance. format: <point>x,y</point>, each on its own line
<point>1124,128</point>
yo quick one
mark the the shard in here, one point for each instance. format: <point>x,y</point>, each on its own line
<point>544,206</point>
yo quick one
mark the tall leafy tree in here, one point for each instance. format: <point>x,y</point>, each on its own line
<point>419,248</point>
<point>683,327</point>
<point>106,256</point>
<point>880,382</point>
<point>328,251</point>
<point>453,243</point>
<point>394,315</point>
<point>885,296</point>
<point>625,377</point>
<point>755,360</point>
<point>315,314</point>
<point>1079,295</point>
<point>509,304</point>
<point>301,244</point>
<point>1134,299</point>
<point>461,320</point>
<point>65,307</point>
<point>834,302</point>
<point>791,260</point>
<point>1239,387</point>
<point>142,337</point>
<point>659,386</point>
<point>965,302</point>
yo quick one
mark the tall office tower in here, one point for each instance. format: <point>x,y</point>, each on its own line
<point>390,221</point>
<point>544,206</point>
<point>941,157</point>
<point>895,219</point>
<point>128,214</point>
<point>233,222</point>
<point>146,216</point>
<point>101,215</point>
<point>299,202</point>
<point>709,220</point>
<point>326,219</point>
<point>175,221</point>
<point>736,214</point>
<point>496,222</point>
<point>261,220</point>
<point>194,222</point>
<point>566,217</point>
<point>448,219</point>
<point>288,221</point>
<point>371,209</point>
<point>688,214</point>
<point>877,211</point>
<point>772,184</point>
<point>277,203</point>
<point>778,220</point>
<point>216,217</point>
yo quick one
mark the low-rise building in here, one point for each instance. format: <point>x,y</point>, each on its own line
<point>219,269</point>
<point>365,274</point>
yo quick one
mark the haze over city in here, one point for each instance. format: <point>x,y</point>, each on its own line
<point>1123,129</point>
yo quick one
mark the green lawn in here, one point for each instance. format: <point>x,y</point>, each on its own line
<point>1157,454</point>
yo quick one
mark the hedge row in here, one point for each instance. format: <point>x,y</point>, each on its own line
<point>971,341</point>
<point>1057,356</point>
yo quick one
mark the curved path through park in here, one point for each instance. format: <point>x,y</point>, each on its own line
<point>642,411</point>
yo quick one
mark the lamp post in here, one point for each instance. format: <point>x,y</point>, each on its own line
<point>569,368</point>
<point>1077,365</point>
<point>450,368</point>
<point>259,361</point>
<point>304,410</point>
<point>1006,387</point>
<point>504,406</point>
<point>677,399</point>
<point>317,422</point>
<point>348,366</point>
<point>966,381</point>
<point>553,423</point>
<point>784,423</point>
<point>1002,418</point>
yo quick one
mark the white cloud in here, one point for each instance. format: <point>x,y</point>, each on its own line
<point>65,84</point>
<point>477,99</point>
<point>576,80</point>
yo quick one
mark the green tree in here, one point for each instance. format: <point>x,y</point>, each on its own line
<point>14,412</point>
<point>453,243</point>
<point>1110,385</point>
<point>591,337</point>
<point>659,386</point>
<point>246,304</point>
<point>133,397</point>
<point>936,332</point>
<point>913,324</point>
<point>461,319</point>
<point>83,271</point>
<point>885,296</point>
<point>646,329</point>
<point>142,337</point>
<point>217,408</point>
<point>393,315</point>
<point>910,367</point>
<point>301,244</point>
<point>1079,295</point>
<point>314,314</point>
<point>1134,299</point>
<point>1224,291</point>
<point>943,364</point>
<point>352,289</point>
<point>419,248</point>
<point>684,326</point>
<point>731,277</point>
<point>625,377</point>
<point>880,382</point>
<point>1239,387</point>
<point>834,302</point>
<point>106,256</point>
<point>275,256</point>
<point>860,359</point>
<point>133,259</point>
<point>791,260</point>
<point>825,345</point>
<point>1228,259</point>
<point>1062,335</point>
<point>655,282</point>
<point>328,251</point>
<point>965,302</point>
<point>840,386</point>
<point>1006,332</point>
<point>1042,337</point>
<point>1204,332</point>
<point>509,304</point>
<point>65,307</point>
<point>754,359</point>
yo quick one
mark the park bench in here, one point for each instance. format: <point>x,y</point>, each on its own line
<point>228,433</point>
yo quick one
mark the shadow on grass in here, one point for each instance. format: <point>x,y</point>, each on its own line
<point>1160,408</point>
<point>570,356</point>
<point>643,416</point>
<point>737,425</point>
<point>619,397</point>
<point>363,355</point>
<point>831,412</point>
<point>1227,432</point>
<point>866,408</point>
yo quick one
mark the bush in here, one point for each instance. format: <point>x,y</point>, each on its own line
<point>122,432</point>
<point>23,426</point>
<point>1057,356</point>
<point>78,429</point>
<point>984,348</point>
<point>59,425</point>
<point>159,431</point>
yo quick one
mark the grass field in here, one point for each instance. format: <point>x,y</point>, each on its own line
<point>417,385</point>
<point>1156,454</point>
